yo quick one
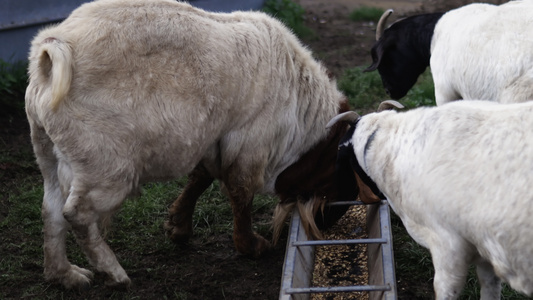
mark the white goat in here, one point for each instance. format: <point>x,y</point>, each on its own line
<point>459,176</point>
<point>478,51</point>
<point>128,91</point>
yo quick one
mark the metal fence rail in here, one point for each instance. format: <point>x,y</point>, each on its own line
<point>20,20</point>
<point>299,258</point>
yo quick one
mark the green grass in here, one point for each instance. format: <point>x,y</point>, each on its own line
<point>13,76</point>
<point>24,217</point>
<point>291,14</point>
<point>422,94</point>
<point>366,13</point>
<point>365,90</point>
<point>136,229</point>
<point>13,80</point>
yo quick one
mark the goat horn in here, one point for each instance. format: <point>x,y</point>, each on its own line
<point>389,104</point>
<point>381,24</point>
<point>349,116</point>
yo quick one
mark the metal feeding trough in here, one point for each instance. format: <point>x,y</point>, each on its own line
<point>299,258</point>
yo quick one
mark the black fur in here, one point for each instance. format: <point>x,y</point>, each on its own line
<point>345,184</point>
<point>347,164</point>
<point>403,53</point>
<point>345,174</point>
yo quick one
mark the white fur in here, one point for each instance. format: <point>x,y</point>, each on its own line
<point>483,51</point>
<point>127,91</point>
<point>459,177</point>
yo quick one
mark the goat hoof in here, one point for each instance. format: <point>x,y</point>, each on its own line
<point>177,234</point>
<point>121,285</point>
<point>255,247</point>
<point>76,278</point>
<point>118,280</point>
<point>262,246</point>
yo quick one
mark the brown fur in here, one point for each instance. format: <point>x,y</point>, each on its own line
<point>310,183</point>
<point>365,193</point>
<point>179,227</point>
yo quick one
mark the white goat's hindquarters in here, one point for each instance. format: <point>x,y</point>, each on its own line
<point>481,51</point>
<point>459,176</point>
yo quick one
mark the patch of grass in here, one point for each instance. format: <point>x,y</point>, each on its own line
<point>213,216</point>
<point>22,157</point>
<point>13,76</point>
<point>365,90</point>
<point>23,223</point>
<point>422,93</point>
<point>13,81</point>
<point>25,209</point>
<point>366,13</point>
<point>412,261</point>
<point>291,14</point>
<point>472,289</point>
<point>136,231</point>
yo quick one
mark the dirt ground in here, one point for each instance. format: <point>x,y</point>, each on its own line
<point>215,270</point>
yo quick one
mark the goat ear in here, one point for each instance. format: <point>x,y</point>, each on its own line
<point>366,195</point>
<point>389,104</point>
<point>346,180</point>
<point>372,67</point>
<point>377,54</point>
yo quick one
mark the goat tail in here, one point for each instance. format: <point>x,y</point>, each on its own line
<point>54,64</point>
